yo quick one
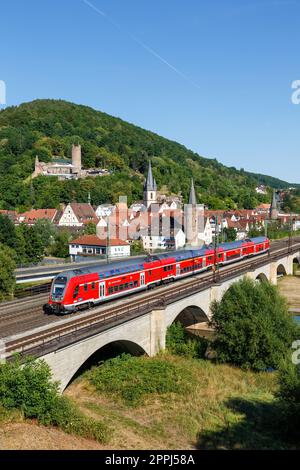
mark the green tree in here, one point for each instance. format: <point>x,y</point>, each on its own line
<point>137,248</point>
<point>90,229</point>
<point>45,231</point>
<point>60,247</point>
<point>252,325</point>
<point>7,272</point>
<point>230,234</point>
<point>8,234</point>
<point>33,244</point>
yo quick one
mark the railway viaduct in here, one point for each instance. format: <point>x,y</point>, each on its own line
<point>141,328</point>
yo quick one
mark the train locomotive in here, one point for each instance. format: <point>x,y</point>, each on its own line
<point>82,288</point>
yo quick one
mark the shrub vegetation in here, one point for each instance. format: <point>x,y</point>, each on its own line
<point>135,378</point>
<point>29,390</point>
<point>252,325</point>
<point>179,342</point>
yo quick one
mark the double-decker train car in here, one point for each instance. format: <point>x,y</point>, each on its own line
<point>83,288</point>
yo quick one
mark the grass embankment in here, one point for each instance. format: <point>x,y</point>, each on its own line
<point>166,402</point>
<point>178,403</point>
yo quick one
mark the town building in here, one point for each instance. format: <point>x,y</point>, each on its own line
<point>91,245</point>
<point>31,217</point>
<point>76,215</point>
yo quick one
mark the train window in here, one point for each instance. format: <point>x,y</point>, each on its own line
<point>110,290</point>
<point>76,291</point>
<point>121,287</point>
<point>150,273</point>
<point>131,285</point>
<point>85,287</point>
<point>116,288</point>
<point>135,284</point>
<point>126,285</point>
<point>93,286</point>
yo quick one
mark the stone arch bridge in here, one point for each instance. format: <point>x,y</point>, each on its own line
<point>146,332</point>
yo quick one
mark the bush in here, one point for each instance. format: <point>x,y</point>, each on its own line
<point>289,382</point>
<point>178,342</point>
<point>252,326</point>
<point>65,415</point>
<point>29,389</point>
<point>134,378</point>
<point>289,399</point>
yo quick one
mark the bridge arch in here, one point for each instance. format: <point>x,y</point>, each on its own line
<point>188,316</point>
<point>97,354</point>
<point>262,278</point>
<point>296,264</point>
<point>281,270</point>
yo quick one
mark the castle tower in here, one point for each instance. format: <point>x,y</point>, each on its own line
<point>150,189</point>
<point>76,158</point>
<point>38,169</point>
<point>274,208</point>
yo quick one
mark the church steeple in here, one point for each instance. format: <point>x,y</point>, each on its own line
<point>192,198</point>
<point>274,207</point>
<point>150,188</point>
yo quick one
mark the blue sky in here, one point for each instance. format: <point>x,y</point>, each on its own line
<point>214,75</point>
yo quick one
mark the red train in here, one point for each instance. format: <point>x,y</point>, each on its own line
<point>82,288</point>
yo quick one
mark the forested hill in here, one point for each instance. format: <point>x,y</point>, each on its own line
<point>49,127</point>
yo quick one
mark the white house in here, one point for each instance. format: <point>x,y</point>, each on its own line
<point>205,235</point>
<point>154,242</point>
<point>91,245</point>
<point>176,241</point>
<point>77,215</point>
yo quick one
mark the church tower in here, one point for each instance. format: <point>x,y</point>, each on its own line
<point>150,189</point>
<point>192,213</point>
<point>274,208</point>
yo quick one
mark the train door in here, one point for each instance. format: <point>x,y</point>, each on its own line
<point>142,279</point>
<point>102,290</point>
<point>177,269</point>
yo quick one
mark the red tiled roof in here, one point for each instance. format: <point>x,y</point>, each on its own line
<point>93,240</point>
<point>39,214</point>
<point>83,210</point>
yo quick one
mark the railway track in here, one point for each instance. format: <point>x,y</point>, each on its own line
<point>67,330</point>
